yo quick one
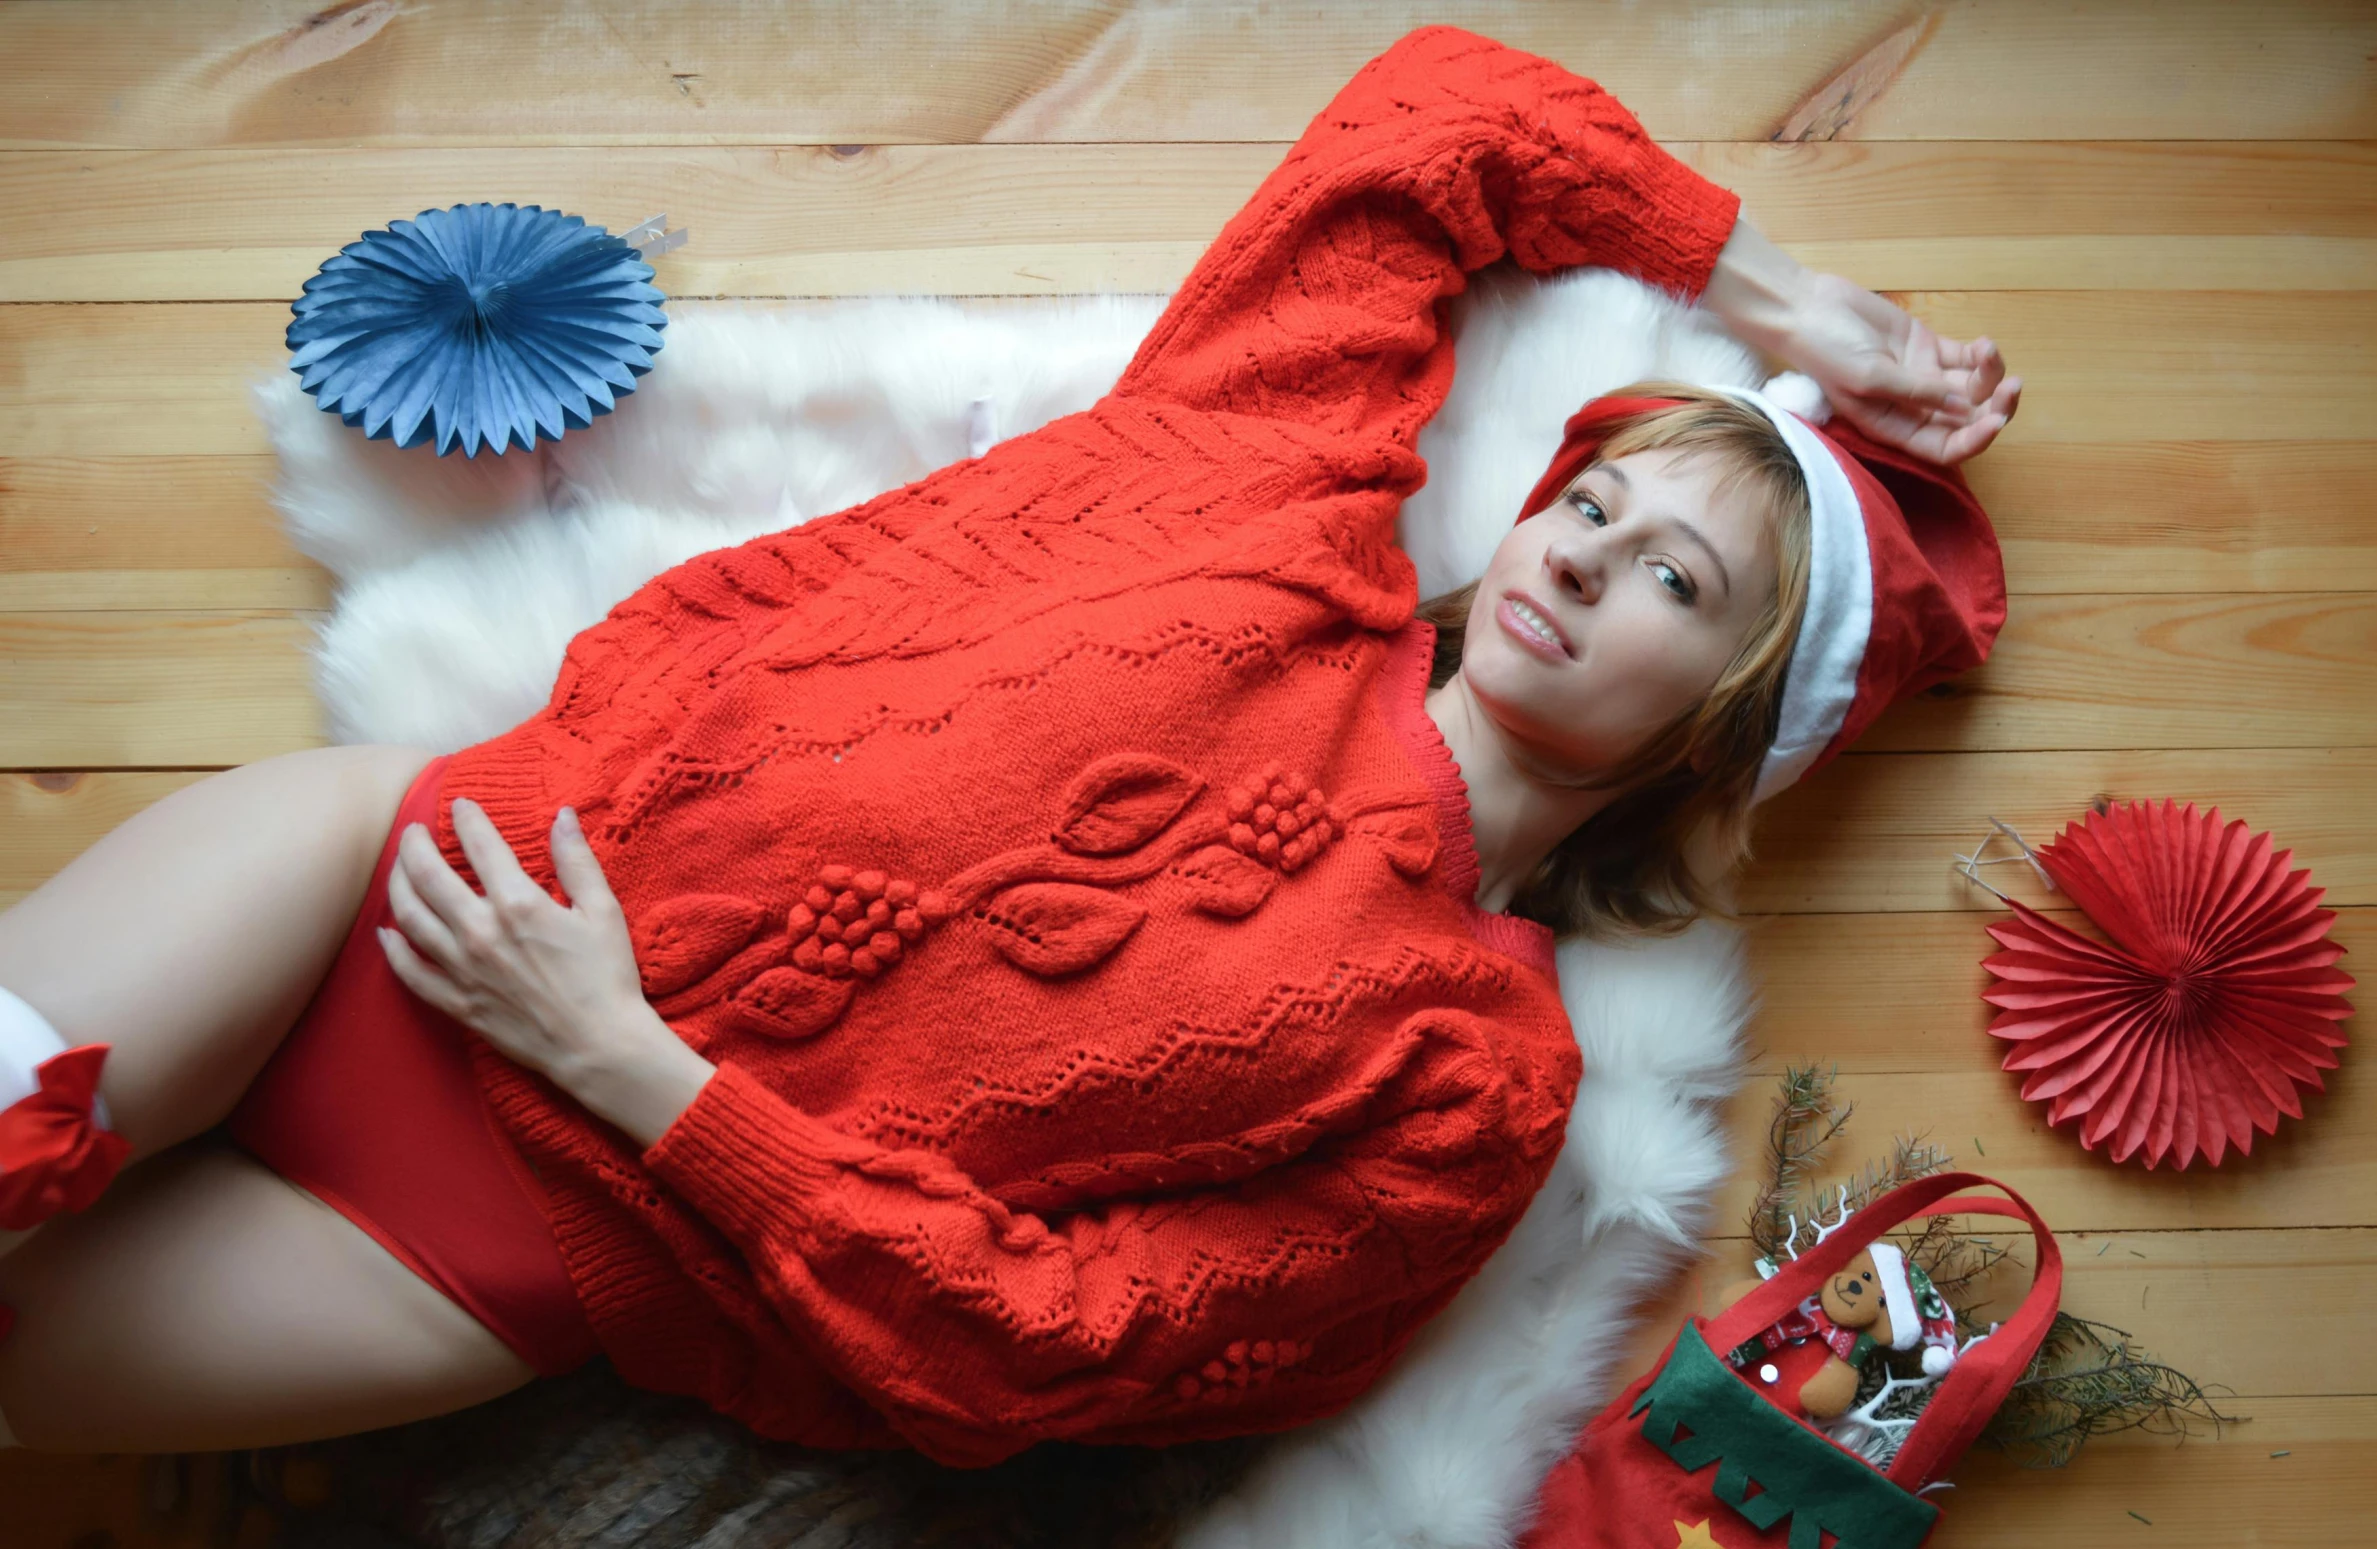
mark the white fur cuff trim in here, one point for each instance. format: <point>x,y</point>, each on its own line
<point>26,1041</point>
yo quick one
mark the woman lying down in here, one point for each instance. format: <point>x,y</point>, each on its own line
<point>1063,949</point>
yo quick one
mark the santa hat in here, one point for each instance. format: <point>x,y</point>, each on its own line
<point>1905,583</point>
<point>1918,1313</point>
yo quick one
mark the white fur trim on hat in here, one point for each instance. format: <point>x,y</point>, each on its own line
<point>1906,1320</point>
<point>1822,681</point>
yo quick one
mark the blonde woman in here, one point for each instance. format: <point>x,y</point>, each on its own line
<point>1060,950</point>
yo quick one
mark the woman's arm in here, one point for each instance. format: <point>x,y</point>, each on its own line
<point>973,1327</point>
<point>976,1328</point>
<point>1318,302</point>
<point>1896,380</point>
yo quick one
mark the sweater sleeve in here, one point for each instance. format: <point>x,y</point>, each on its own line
<point>976,1329</point>
<point>1318,303</point>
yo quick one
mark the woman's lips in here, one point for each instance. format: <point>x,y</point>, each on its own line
<point>1529,623</point>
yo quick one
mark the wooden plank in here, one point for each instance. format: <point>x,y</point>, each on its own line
<point>1027,219</point>
<point>94,381</point>
<point>2159,516</point>
<point>48,819</point>
<point>147,532</point>
<point>2247,673</point>
<point>2212,1493</point>
<point>843,71</point>
<point>1877,832</point>
<point>2171,671</point>
<point>2320,1170</point>
<point>196,532</point>
<point>1901,993</point>
<point>2175,366</point>
<point>91,690</point>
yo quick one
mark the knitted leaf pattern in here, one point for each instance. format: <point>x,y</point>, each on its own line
<point>1121,802</point>
<point>1059,927</point>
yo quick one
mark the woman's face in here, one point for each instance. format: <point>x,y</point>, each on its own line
<point>1612,610</point>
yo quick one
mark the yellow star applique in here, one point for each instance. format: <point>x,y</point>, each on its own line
<point>1695,1535</point>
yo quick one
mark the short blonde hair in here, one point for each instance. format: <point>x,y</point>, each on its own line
<point>1630,868</point>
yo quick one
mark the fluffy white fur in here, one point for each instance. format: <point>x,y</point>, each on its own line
<point>462,581</point>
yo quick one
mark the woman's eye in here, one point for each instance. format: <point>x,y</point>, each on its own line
<point>1589,508</point>
<point>1673,579</point>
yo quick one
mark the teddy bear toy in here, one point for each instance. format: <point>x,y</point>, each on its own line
<point>1809,1362</point>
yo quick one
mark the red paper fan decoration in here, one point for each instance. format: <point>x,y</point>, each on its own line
<point>2216,1002</point>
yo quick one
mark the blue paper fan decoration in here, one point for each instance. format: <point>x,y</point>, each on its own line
<point>482,325</point>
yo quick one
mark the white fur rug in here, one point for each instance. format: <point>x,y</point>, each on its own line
<point>462,581</point>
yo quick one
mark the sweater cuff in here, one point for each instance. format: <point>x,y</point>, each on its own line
<point>744,1157</point>
<point>1686,226</point>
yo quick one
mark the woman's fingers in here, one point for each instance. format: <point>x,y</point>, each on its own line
<point>492,858</point>
<point>575,863</point>
<point>419,977</point>
<point>435,882</point>
<point>418,921</point>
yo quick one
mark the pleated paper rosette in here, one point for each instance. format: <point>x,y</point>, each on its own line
<point>2211,1007</point>
<point>483,325</point>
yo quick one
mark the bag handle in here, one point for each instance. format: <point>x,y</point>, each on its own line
<point>1984,1375</point>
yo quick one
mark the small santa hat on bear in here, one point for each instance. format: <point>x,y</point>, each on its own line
<point>1918,1313</point>
<point>1906,586</point>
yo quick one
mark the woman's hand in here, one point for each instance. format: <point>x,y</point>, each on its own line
<point>554,988</point>
<point>1942,399</point>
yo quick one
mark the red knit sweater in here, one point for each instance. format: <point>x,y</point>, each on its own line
<point>1058,863</point>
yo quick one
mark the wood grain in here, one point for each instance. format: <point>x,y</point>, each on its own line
<point>2168,516</point>
<point>2181,671</point>
<point>1029,219</point>
<point>844,71</point>
<point>1900,994</point>
<point>147,533</point>
<point>86,690</point>
<point>1877,832</point>
<point>85,380</point>
<point>2319,1171</point>
<point>2101,520</point>
<point>2172,671</point>
<point>48,819</point>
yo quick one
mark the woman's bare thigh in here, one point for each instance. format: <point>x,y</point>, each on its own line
<point>192,935</point>
<point>204,1303</point>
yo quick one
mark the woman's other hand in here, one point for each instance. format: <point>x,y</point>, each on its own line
<point>555,988</point>
<point>1882,370</point>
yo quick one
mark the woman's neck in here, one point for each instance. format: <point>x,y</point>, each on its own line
<point>1516,814</point>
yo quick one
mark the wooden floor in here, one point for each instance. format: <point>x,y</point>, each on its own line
<point>2166,212</point>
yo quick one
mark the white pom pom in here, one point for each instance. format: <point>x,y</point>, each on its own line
<point>1937,1359</point>
<point>1800,394</point>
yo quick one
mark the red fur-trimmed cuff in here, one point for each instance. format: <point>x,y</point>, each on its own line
<point>54,1155</point>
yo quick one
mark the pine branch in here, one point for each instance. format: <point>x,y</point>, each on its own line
<point>1807,1119</point>
<point>2087,1379</point>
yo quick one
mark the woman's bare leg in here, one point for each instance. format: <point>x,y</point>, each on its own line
<point>203,1303</point>
<point>192,935</point>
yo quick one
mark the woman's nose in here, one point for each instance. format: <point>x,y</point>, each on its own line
<point>1577,568</point>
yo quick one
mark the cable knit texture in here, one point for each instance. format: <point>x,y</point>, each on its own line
<point>1057,860</point>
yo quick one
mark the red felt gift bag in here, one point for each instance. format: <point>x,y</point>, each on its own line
<point>1694,1455</point>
